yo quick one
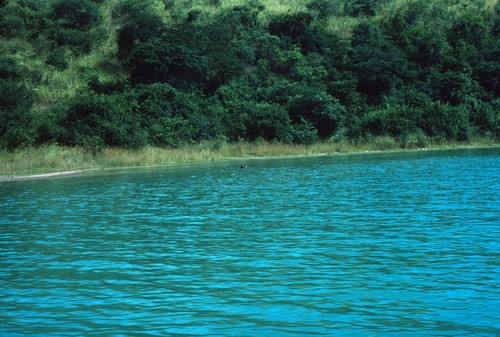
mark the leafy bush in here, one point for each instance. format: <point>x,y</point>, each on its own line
<point>298,29</point>
<point>293,26</point>
<point>160,100</point>
<point>484,117</point>
<point>395,121</point>
<point>16,129</point>
<point>175,60</point>
<point>361,7</point>
<point>324,8</point>
<point>415,140</point>
<point>77,14</point>
<point>16,124</point>
<point>191,54</point>
<point>77,40</point>
<point>167,114</point>
<point>171,131</point>
<point>323,111</point>
<point>446,121</point>
<point>453,87</point>
<point>307,105</point>
<point>9,68</point>
<point>304,133</point>
<point>267,121</point>
<point>487,74</point>
<point>231,44</point>
<point>379,65</point>
<point>138,29</point>
<point>14,95</point>
<point>18,19</point>
<point>110,120</point>
<point>208,120</point>
<point>58,57</point>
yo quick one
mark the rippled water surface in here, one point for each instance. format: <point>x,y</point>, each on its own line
<point>403,244</point>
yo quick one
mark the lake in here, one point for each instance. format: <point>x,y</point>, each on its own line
<point>387,244</point>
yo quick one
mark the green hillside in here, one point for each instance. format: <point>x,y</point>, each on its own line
<point>165,73</point>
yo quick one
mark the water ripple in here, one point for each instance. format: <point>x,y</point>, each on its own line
<point>382,245</point>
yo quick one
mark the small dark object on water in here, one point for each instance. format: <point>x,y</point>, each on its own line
<point>243,166</point>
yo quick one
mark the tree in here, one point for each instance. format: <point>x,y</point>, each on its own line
<point>167,114</point>
<point>293,29</point>
<point>361,7</point>
<point>77,14</point>
<point>16,124</point>
<point>174,59</point>
<point>307,105</point>
<point>138,29</point>
<point>379,65</point>
<point>446,121</point>
<point>454,87</point>
<point>96,120</point>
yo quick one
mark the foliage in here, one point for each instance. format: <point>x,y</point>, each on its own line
<point>446,121</point>
<point>361,7</point>
<point>96,120</point>
<point>16,125</point>
<point>9,68</point>
<point>165,114</point>
<point>77,14</point>
<point>324,8</point>
<point>138,28</point>
<point>169,73</point>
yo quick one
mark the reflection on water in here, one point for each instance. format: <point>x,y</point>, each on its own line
<point>372,245</point>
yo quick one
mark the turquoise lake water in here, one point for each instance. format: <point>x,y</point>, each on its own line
<point>398,244</point>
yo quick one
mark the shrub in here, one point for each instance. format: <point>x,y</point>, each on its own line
<point>453,87</point>
<point>20,18</point>
<point>58,58</point>
<point>268,121</point>
<point>446,121</point>
<point>167,114</point>
<point>176,60</point>
<point>384,143</point>
<point>77,14</point>
<point>324,8</point>
<point>379,65</point>
<point>306,103</point>
<point>293,29</point>
<point>208,119</point>
<point>361,7</point>
<point>77,40</point>
<point>111,119</point>
<point>488,76</point>
<point>138,29</point>
<point>15,96</point>
<point>304,133</point>
<point>16,124</point>
<point>16,129</point>
<point>8,68</point>
<point>395,121</point>
<point>171,131</point>
<point>415,140</point>
<point>484,117</point>
<point>292,26</point>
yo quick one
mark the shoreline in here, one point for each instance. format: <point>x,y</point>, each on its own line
<point>40,176</point>
<point>239,157</point>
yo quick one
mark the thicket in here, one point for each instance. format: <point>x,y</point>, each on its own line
<point>167,73</point>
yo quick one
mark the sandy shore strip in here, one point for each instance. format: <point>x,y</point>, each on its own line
<point>40,176</point>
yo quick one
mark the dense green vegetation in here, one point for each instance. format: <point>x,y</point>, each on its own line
<point>168,73</point>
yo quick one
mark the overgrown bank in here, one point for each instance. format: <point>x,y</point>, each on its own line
<point>177,74</point>
<point>53,158</point>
